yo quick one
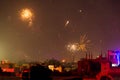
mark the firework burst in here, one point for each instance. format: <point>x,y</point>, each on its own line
<point>84,43</point>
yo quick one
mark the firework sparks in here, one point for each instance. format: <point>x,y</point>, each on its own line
<point>27,15</point>
<point>80,11</point>
<point>84,43</point>
<point>72,47</point>
<point>67,22</point>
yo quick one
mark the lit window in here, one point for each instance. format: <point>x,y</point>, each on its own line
<point>114,65</point>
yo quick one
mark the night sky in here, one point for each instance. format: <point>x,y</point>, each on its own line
<point>56,23</point>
